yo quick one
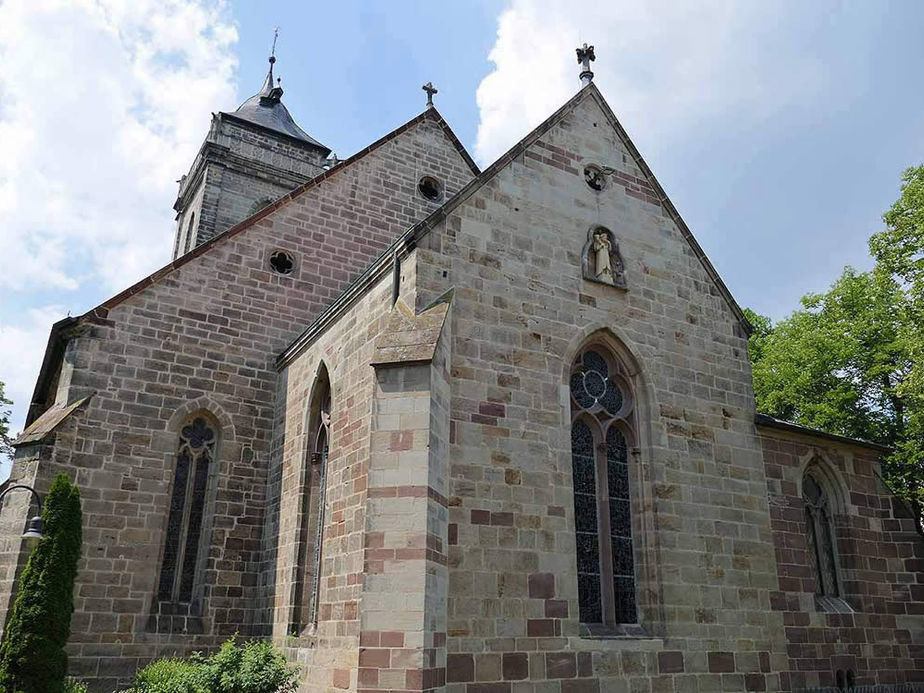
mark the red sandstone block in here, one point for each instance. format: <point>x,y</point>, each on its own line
<point>755,682</point>
<point>341,678</point>
<point>556,608</point>
<point>542,585</point>
<point>481,517</point>
<point>516,666</point>
<point>460,668</point>
<point>670,662</point>
<point>389,638</point>
<point>372,657</point>
<point>369,638</point>
<point>541,627</point>
<point>721,662</point>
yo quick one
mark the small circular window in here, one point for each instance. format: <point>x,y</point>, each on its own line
<point>282,262</point>
<point>593,176</point>
<point>430,188</point>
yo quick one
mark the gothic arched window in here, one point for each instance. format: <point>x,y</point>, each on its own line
<point>182,548</point>
<point>820,536</point>
<point>602,410</point>
<point>190,232</point>
<point>311,510</point>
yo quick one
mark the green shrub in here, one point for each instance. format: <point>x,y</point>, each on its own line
<point>74,686</point>
<point>32,657</point>
<point>254,667</point>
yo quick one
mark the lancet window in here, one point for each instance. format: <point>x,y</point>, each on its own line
<point>184,536</point>
<point>602,409</point>
<point>311,510</point>
<point>820,536</point>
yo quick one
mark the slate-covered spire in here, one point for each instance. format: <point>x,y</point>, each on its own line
<point>265,108</point>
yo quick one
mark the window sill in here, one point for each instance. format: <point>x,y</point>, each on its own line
<point>833,605</point>
<point>626,631</point>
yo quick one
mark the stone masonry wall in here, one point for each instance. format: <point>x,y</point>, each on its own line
<point>328,654</point>
<point>704,551</point>
<point>881,561</point>
<point>206,335</point>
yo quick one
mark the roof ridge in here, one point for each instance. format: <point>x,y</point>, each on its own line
<point>102,310</point>
<point>416,232</point>
<point>419,230</point>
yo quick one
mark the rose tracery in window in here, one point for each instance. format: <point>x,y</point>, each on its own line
<point>601,407</point>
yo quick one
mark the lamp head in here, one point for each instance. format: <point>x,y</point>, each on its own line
<point>34,529</point>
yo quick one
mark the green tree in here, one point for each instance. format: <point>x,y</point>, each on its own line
<point>6,447</point>
<point>851,360</point>
<point>32,657</point>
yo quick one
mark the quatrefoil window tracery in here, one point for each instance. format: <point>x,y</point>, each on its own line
<point>592,385</point>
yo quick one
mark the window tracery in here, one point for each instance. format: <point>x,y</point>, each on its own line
<point>602,411</point>
<point>195,455</point>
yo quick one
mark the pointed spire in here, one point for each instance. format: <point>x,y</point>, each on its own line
<point>270,90</point>
<point>585,56</point>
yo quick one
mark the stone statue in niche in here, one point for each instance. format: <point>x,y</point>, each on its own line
<point>601,260</point>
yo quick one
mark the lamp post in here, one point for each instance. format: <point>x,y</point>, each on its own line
<point>34,528</point>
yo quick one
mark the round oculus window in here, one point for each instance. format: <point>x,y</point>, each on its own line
<point>593,176</point>
<point>430,188</point>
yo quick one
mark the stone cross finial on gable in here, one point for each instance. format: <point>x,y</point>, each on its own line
<point>431,90</point>
<point>585,56</point>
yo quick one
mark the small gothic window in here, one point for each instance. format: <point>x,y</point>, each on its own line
<point>311,510</point>
<point>820,537</point>
<point>282,262</point>
<point>601,411</point>
<point>190,232</point>
<point>429,187</point>
<point>194,458</point>
<point>593,176</point>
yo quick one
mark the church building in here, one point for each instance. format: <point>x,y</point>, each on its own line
<point>429,427</point>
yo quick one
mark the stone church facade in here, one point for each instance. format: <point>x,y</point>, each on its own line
<point>431,427</point>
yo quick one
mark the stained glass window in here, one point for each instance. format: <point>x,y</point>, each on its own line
<point>187,507</point>
<point>602,491</point>
<point>820,537</point>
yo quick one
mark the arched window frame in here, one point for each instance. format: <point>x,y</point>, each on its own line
<point>312,502</point>
<point>190,509</point>
<point>821,537</point>
<point>603,422</point>
<point>190,232</point>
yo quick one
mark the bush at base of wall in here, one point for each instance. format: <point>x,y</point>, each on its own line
<point>254,667</point>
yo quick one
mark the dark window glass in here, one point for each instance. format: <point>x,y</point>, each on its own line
<point>585,518</point>
<point>187,508</point>
<point>820,537</point>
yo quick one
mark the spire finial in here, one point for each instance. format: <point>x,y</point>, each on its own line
<point>431,90</point>
<point>585,56</point>
<point>272,57</point>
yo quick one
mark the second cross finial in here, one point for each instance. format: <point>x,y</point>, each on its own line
<point>431,90</point>
<point>585,56</point>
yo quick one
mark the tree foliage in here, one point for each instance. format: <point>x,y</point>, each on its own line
<point>6,447</point>
<point>851,359</point>
<point>32,657</point>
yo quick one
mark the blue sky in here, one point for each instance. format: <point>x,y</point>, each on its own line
<point>779,129</point>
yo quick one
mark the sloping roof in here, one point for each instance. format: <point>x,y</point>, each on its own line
<point>101,311</point>
<point>48,422</point>
<point>265,108</point>
<point>414,234</point>
<point>54,349</point>
<point>768,421</point>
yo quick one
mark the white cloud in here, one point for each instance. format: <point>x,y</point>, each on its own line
<point>666,67</point>
<point>103,104</point>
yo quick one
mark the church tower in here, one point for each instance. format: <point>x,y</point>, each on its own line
<point>249,158</point>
